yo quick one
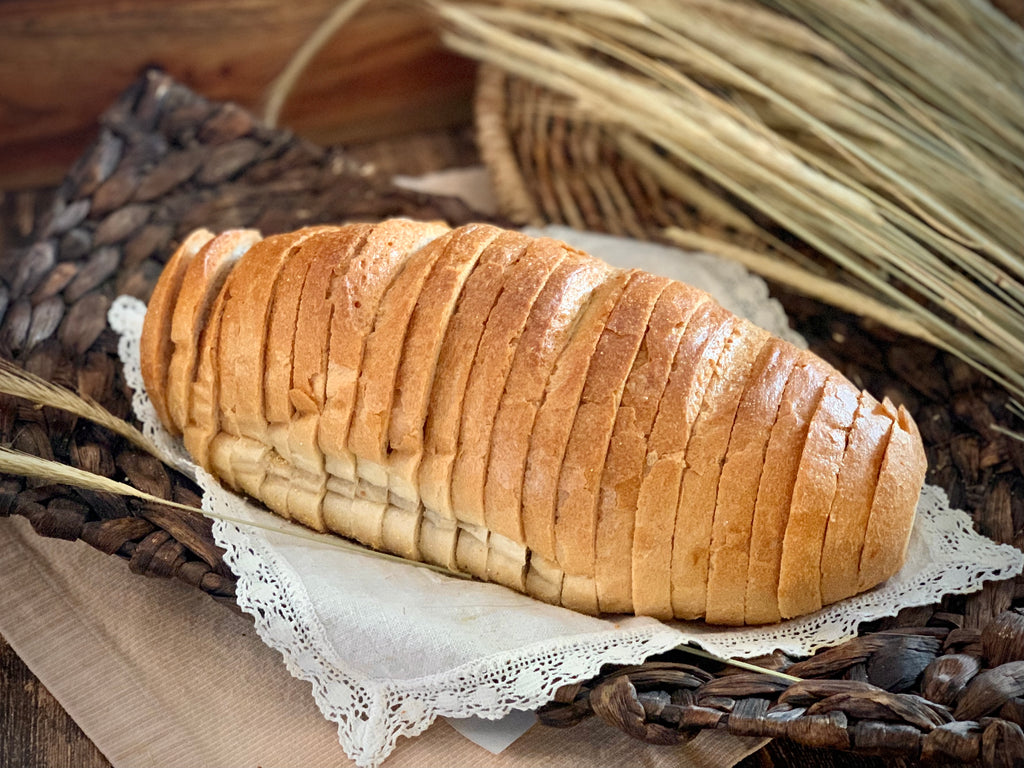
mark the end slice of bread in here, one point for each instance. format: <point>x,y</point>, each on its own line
<point>156,343</point>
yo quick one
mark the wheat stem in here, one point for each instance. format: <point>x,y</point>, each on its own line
<point>26,385</point>
<point>284,83</point>
<point>26,465</point>
<point>737,663</point>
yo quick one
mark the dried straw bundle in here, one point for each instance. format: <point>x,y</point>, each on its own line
<point>889,138</point>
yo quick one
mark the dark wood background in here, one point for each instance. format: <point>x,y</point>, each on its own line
<point>62,62</point>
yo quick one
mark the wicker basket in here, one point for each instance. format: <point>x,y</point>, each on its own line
<point>550,164</point>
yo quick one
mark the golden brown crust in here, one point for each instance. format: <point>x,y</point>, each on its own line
<point>199,288</point>
<point>587,448</point>
<point>355,301</point>
<point>900,481</point>
<point>592,407</point>
<point>851,508</point>
<point>813,492</point>
<point>624,465</point>
<point>741,475</point>
<point>705,452</point>
<point>555,415</point>
<point>548,330</point>
<point>458,351</point>
<point>420,352</point>
<point>775,488</point>
<point>692,368</point>
<point>155,346</point>
<point>494,358</point>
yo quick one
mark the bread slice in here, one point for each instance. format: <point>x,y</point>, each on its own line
<point>624,465</point>
<point>458,351</point>
<point>544,336</point>
<point>556,316</point>
<point>555,415</point>
<point>487,380</point>
<point>334,251</point>
<point>775,487</point>
<point>424,338</point>
<point>199,287</point>
<point>367,437</point>
<point>705,454</point>
<point>155,345</point>
<point>900,481</point>
<point>813,492</point>
<point>421,348</point>
<point>355,302</point>
<point>308,392</point>
<point>439,531</point>
<point>282,329</point>
<point>494,358</point>
<point>382,354</point>
<point>242,445</point>
<point>741,475</point>
<point>277,381</point>
<point>580,477</point>
<point>564,295</point>
<point>246,316</point>
<point>438,528</point>
<point>851,508</point>
<point>692,368</point>
<point>203,428</point>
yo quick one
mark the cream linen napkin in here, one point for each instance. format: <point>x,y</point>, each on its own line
<point>158,674</point>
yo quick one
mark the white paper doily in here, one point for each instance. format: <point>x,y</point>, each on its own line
<point>389,647</point>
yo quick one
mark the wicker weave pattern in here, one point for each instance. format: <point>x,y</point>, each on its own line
<point>551,164</point>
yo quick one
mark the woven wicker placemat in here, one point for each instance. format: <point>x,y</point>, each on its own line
<point>167,160</point>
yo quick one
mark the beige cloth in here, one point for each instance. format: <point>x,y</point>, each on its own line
<point>158,674</point>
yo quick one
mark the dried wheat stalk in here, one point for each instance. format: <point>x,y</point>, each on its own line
<point>890,141</point>
<point>26,465</point>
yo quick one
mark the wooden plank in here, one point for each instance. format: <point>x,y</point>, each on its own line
<point>34,728</point>
<point>62,62</point>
